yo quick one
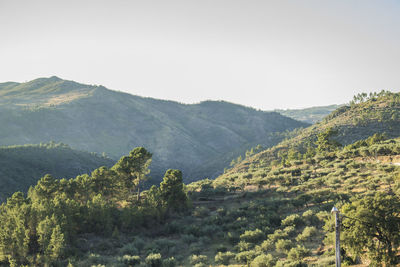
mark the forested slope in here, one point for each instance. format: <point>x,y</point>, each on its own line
<point>22,166</point>
<point>194,138</point>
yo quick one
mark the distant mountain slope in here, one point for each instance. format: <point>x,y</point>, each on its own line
<point>310,115</point>
<point>23,166</point>
<point>93,118</point>
<point>379,113</point>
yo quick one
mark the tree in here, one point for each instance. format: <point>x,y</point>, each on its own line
<point>171,191</point>
<point>14,235</point>
<point>103,181</point>
<point>373,223</point>
<point>324,141</point>
<point>133,169</point>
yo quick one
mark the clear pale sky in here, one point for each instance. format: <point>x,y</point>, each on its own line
<point>264,54</point>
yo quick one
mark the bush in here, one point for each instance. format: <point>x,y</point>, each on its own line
<point>298,253</point>
<point>170,262</point>
<point>201,212</point>
<point>307,234</point>
<point>283,245</point>
<point>154,260</point>
<point>129,249</point>
<point>245,256</point>
<point>131,260</point>
<point>263,261</point>
<point>252,236</point>
<point>293,219</point>
<point>194,259</point>
<point>243,246</point>
<point>224,257</point>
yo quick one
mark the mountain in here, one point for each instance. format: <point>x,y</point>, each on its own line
<point>309,115</point>
<point>22,166</point>
<point>194,138</point>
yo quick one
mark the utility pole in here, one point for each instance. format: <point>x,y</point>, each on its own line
<point>337,232</point>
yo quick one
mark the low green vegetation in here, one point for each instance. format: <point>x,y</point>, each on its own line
<point>273,214</point>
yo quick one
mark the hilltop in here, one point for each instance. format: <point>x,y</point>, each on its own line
<point>200,139</point>
<point>22,166</point>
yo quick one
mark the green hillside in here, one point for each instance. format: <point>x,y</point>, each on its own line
<point>273,214</point>
<point>194,138</point>
<point>364,117</point>
<point>309,115</point>
<point>22,166</point>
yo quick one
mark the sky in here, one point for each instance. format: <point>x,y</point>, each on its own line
<point>263,54</point>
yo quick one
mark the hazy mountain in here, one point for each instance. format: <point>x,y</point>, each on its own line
<point>93,118</point>
<point>310,115</point>
<point>22,166</point>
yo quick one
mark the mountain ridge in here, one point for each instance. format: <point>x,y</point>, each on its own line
<point>94,118</point>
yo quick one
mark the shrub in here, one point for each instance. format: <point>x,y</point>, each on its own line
<point>267,245</point>
<point>129,249</point>
<point>263,261</point>
<point>195,259</point>
<point>283,245</point>
<point>246,256</point>
<point>224,257</point>
<point>154,260</point>
<point>298,253</point>
<point>139,243</point>
<point>307,234</point>
<point>131,260</point>
<point>252,236</point>
<point>293,219</point>
<point>170,262</point>
<point>243,246</point>
<point>201,212</point>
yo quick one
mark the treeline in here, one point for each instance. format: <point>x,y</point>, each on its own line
<point>42,228</point>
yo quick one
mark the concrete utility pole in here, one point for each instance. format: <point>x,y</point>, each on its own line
<point>337,240</point>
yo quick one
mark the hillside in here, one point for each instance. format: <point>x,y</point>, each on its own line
<point>368,115</point>
<point>274,214</point>
<point>309,115</point>
<point>194,138</point>
<point>22,166</point>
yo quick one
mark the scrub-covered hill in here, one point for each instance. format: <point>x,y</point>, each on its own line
<point>194,138</point>
<point>366,115</point>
